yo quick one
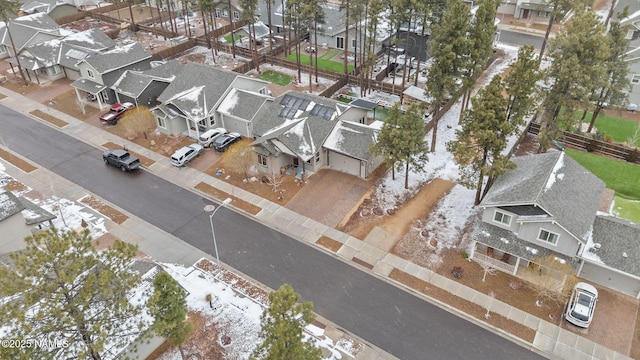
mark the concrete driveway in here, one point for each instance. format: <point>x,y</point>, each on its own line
<point>329,196</point>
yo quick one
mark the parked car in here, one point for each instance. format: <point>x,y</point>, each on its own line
<point>582,304</point>
<point>185,154</point>
<point>122,159</point>
<point>115,113</point>
<point>207,137</point>
<point>222,142</point>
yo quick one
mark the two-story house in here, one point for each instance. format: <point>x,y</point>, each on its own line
<point>100,71</point>
<point>548,206</point>
<point>54,8</point>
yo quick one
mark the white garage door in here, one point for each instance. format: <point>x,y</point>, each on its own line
<point>344,163</point>
<point>611,279</point>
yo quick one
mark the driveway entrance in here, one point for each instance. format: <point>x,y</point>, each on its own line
<point>329,196</point>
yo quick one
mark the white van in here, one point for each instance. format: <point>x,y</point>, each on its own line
<point>207,137</point>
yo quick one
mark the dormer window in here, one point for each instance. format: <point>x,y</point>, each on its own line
<point>90,74</point>
<point>548,236</point>
<point>502,218</point>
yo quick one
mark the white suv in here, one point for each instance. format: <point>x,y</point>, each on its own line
<point>183,155</point>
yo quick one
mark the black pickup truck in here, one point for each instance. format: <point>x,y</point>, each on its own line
<point>122,159</point>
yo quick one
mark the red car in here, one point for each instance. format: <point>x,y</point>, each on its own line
<point>115,113</point>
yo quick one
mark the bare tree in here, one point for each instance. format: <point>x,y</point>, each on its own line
<point>242,158</point>
<point>552,278</point>
<point>275,180</point>
<point>138,120</point>
<point>487,269</point>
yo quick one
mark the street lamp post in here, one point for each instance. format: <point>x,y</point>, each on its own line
<point>213,209</point>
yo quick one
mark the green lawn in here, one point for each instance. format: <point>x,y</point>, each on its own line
<point>276,77</point>
<point>620,176</point>
<point>325,64</point>
<point>627,209</point>
<point>620,130</point>
<point>330,54</point>
<point>236,37</point>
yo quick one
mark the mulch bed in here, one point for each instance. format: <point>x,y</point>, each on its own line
<point>16,161</point>
<point>221,195</point>
<point>49,118</point>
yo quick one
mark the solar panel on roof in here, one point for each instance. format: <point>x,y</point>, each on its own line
<point>322,111</point>
<point>291,105</point>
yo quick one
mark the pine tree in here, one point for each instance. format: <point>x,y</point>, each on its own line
<point>248,16</point>
<point>481,46</point>
<point>611,87</point>
<point>282,326</point>
<point>520,85</point>
<point>479,144</point>
<point>168,307</point>
<point>449,47</point>
<point>578,55</point>
<point>410,141</point>
<point>66,290</point>
<point>385,144</point>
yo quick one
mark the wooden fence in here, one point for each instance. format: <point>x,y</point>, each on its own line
<point>587,143</point>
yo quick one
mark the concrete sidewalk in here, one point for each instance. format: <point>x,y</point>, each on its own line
<point>371,256</point>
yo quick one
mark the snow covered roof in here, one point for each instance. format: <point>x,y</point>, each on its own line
<point>32,213</point>
<point>132,83</point>
<point>352,139</point>
<point>614,243</point>
<point>242,104</point>
<point>556,183</point>
<point>197,89</point>
<point>25,28</point>
<point>117,58</point>
<point>300,122</point>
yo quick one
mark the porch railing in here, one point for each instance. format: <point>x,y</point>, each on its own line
<point>494,263</point>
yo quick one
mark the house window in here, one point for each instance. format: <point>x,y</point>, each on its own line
<point>502,218</point>
<point>90,74</point>
<point>636,79</point>
<point>56,70</point>
<point>218,13</point>
<point>262,160</point>
<point>3,49</point>
<point>354,43</point>
<point>548,236</point>
<point>212,120</point>
<point>339,42</point>
<point>543,14</point>
<point>236,15</point>
<point>318,157</point>
<point>162,123</point>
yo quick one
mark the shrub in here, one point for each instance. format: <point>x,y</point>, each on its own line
<point>457,272</point>
<point>593,145</point>
<point>633,156</point>
<point>464,255</point>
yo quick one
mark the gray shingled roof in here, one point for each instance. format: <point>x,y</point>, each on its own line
<point>133,83</point>
<point>302,132</point>
<point>25,28</point>
<point>197,89</point>
<point>242,104</point>
<point>351,139</point>
<point>507,241</point>
<point>32,213</point>
<point>117,58</point>
<point>617,238</point>
<point>556,183</point>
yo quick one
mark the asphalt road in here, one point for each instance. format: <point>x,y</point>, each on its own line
<point>392,319</point>
<point>520,39</point>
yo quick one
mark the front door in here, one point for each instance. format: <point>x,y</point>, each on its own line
<point>525,14</point>
<point>295,162</point>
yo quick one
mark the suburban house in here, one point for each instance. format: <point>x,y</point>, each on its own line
<point>632,57</point>
<point>549,206</point>
<point>54,8</point>
<point>100,71</point>
<point>189,105</point>
<point>144,87</point>
<point>57,58</point>
<point>305,132</point>
<point>26,31</point>
<point>19,218</point>
<point>331,34</point>
<point>533,11</point>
